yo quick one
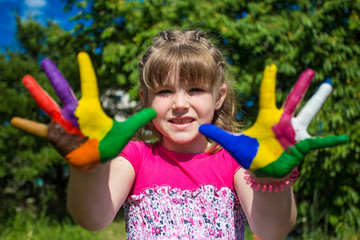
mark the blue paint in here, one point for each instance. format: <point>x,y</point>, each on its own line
<point>328,81</point>
<point>243,148</point>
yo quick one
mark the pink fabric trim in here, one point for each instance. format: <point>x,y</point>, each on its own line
<point>188,193</point>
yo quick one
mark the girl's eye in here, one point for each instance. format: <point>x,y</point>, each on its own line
<point>196,90</point>
<point>164,92</point>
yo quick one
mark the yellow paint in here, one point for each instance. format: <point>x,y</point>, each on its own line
<point>89,87</point>
<point>269,148</point>
<point>93,122</point>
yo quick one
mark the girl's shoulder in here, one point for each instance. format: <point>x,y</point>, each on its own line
<point>136,151</point>
<point>139,146</point>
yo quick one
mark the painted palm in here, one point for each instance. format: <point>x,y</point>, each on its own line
<point>80,130</point>
<point>278,141</point>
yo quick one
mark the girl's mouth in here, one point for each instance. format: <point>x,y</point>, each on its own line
<point>181,121</point>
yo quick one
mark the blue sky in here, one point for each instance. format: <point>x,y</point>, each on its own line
<point>41,10</point>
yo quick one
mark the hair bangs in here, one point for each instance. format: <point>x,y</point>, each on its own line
<point>190,64</point>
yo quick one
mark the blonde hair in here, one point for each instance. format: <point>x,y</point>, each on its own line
<point>192,55</point>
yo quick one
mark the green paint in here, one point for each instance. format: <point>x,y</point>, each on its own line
<point>122,132</point>
<point>287,161</point>
<point>292,156</point>
<point>309,144</point>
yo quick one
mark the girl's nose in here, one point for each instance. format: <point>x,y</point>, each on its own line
<point>180,101</point>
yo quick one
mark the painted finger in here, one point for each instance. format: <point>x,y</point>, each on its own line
<point>62,89</point>
<point>243,148</point>
<point>305,146</point>
<point>313,105</point>
<point>32,127</point>
<point>300,129</point>
<point>284,130</point>
<point>93,121</point>
<point>293,156</point>
<point>298,92</point>
<point>42,98</point>
<point>121,133</point>
<point>47,104</point>
<point>89,87</point>
<point>267,88</point>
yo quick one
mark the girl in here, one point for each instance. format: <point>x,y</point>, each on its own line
<point>181,186</point>
<point>184,185</point>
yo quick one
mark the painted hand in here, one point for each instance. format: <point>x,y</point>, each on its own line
<point>80,131</point>
<point>278,141</point>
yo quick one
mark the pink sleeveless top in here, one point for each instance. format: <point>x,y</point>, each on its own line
<point>182,195</point>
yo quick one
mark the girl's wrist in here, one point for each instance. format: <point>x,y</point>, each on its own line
<point>90,168</point>
<point>271,184</point>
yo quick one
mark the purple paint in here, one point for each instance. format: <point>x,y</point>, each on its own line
<point>63,91</point>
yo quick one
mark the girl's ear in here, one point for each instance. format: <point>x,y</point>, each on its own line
<point>142,96</point>
<point>221,97</point>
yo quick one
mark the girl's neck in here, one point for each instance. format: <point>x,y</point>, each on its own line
<point>198,145</point>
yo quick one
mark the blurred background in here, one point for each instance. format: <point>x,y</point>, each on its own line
<point>294,35</point>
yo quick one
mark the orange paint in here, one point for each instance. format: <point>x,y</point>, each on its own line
<point>85,157</point>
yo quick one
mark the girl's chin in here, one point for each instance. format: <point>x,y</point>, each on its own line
<point>187,140</point>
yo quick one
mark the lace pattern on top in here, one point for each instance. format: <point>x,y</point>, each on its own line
<point>172,213</point>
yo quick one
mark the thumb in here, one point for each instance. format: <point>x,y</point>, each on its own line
<point>243,148</point>
<point>121,133</point>
<point>139,119</point>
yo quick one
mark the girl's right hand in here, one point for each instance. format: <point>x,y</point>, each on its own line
<point>80,131</point>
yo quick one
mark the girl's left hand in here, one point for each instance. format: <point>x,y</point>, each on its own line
<point>278,141</point>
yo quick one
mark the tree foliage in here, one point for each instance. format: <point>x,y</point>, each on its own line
<point>295,35</point>
<point>32,173</point>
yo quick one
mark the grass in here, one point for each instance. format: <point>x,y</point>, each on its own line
<point>39,229</point>
<point>27,226</point>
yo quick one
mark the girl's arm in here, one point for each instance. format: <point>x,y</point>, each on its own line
<point>94,197</point>
<point>270,215</point>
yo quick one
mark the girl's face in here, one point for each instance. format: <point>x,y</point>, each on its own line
<point>181,109</point>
